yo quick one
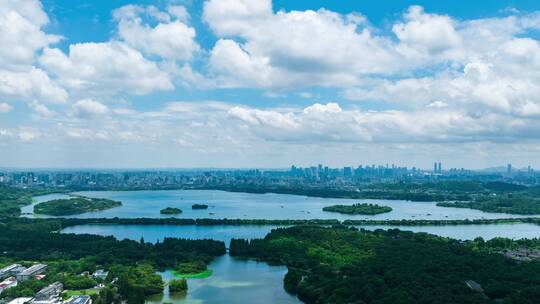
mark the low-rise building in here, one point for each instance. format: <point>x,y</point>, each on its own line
<point>31,271</point>
<point>52,291</point>
<point>10,270</point>
<point>20,301</point>
<point>79,300</point>
<point>56,300</point>
<point>8,283</point>
<point>100,274</point>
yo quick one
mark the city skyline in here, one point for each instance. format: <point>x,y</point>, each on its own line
<point>263,84</point>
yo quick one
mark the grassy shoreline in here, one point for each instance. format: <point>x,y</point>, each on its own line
<point>201,275</point>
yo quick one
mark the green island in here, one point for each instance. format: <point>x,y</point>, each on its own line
<point>178,285</point>
<point>170,210</point>
<point>344,265</point>
<point>74,205</point>
<point>192,270</point>
<point>367,209</point>
<point>199,206</point>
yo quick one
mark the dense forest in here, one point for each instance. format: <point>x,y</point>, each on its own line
<point>74,205</point>
<point>366,209</point>
<point>343,265</point>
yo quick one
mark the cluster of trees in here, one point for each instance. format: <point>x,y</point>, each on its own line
<point>199,206</point>
<point>74,205</point>
<point>344,265</point>
<point>40,246</point>
<point>178,285</point>
<point>366,209</point>
<point>170,210</point>
<point>135,283</point>
<point>192,267</point>
<point>515,204</point>
<point>424,222</point>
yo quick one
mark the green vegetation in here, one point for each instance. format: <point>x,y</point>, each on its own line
<point>71,293</point>
<point>75,205</point>
<point>201,275</point>
<point>170,210</point>
<point>522,204</point>
<point>11,201</point>
<point>178,285</point>
<point>344,265</point>
<point>190,267</point>
<point>135,283</point>
<point>199,206</point>
<point>367,209</point>
<point>66,222</point>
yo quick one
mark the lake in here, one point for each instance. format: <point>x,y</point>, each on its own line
<point>233,281</point>
<point>235,205</point>
<point>153,233</point>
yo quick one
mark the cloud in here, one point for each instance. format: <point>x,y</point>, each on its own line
<point>88,108</point>
<point>33,84</point>
<point>41,109</point>
<point>427,34</point>
<point>171,38</point>
<point>28,134</point>
<point>321,123</point>
<point>309,48</point>
<point>106,68</point>
<point>21,38</point>
<point>21,34</point>
<point>5,107</point>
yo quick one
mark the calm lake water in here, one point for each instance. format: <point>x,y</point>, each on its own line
<point>235,205</point>
<point>153,233</point>
<point>233,281</point>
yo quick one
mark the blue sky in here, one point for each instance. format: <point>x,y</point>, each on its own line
<point>238,83</point>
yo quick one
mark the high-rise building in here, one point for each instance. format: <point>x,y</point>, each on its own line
<point>439,167</point>
<point>435,167</point>
<point>509,168</point>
